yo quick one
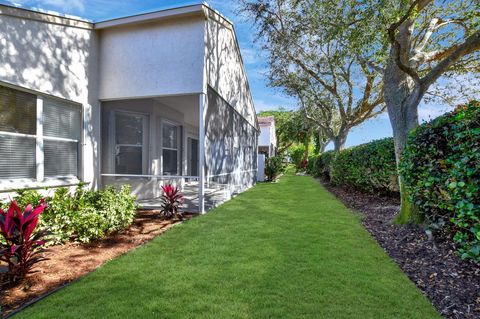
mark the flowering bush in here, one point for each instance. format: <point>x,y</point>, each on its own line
<point>172,200</point>
<point>20,247</point>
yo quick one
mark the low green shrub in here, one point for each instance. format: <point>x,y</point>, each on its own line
<point>370,167</point>
<point>297,154</point>
<point>85,215</point>
<point>441,170</point>
<point>273,167</point>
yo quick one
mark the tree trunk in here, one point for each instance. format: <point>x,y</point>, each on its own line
<point>402,97</point>
<point>321,142</point>
<point>340,139</point>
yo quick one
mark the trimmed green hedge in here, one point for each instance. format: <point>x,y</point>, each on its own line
<point>369,167</point>
<point>441,169</point>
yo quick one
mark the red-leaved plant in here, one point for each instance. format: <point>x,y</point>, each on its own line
<point>20,248</point>
<point>172,200</point>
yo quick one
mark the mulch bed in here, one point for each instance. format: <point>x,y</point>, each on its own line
<point>67,263</point>
<point>452,285</point>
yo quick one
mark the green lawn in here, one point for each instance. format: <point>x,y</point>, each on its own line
<point>282,250</point>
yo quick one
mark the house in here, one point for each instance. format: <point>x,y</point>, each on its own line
<point>267,141</point>
<point>144,100</point>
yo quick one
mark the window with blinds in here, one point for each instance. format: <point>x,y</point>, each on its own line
<point>18,126</point>
<point>56,137</point>
<point>61,134</point>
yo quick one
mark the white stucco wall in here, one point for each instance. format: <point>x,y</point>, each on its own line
<point>224,67</point>
<point>55,56</point>
<point>264,138</point>
<point>152,59</point>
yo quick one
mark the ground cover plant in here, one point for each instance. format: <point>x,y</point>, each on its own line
<point>83,215</point>
<point>441,170</point>
<point>264,254</point>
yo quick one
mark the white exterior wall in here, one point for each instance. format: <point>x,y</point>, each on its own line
<point>152,59</point>
<point>224,67</point>
<point>55,56</point>
<point>264,138</point>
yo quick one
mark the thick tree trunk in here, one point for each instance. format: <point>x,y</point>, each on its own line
<point>402,97</point>
<point>340,139</point>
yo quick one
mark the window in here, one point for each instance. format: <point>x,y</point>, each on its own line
<point>171,135</point>
<point>18,128</point>
<point>61,134</point>
<point>130,132</point>
<point>39,136</point>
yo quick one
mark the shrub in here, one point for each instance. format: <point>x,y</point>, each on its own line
<point>273,167</point>
<point>311,163</point>
<point>297,154</point>
<point>85,215</point>
<point>369,167</point>
<point>322,165</point>
<point>20,246</point>
<point>441,169</point>
<point>172,200</point>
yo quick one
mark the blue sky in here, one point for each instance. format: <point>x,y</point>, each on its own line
<point>265,98</point>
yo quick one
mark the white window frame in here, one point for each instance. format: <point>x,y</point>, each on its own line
<point>179,145</point>
<point>144,146</point>
<point>40,142</point>
<point>40,180</point>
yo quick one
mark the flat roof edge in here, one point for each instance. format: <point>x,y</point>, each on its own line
<point>193,10</point>
<point>23,13</point>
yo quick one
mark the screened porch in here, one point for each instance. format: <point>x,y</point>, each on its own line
<point>147,143</point>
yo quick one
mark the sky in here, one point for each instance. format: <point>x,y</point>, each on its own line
<point>265,98</point>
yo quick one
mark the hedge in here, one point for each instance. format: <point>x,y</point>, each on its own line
<point>441,169</point>
<point>369,167</point>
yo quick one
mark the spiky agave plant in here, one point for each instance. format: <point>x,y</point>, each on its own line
<point>172,200</point>
<point>21,248</point>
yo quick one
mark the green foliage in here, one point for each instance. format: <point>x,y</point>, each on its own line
<point>85,215</point>
<point>321,165</point>
<point>297,154</point>
<point>290,127</point>
<point>441,170</point>
<point>370,167</point>
<point>273,167</point>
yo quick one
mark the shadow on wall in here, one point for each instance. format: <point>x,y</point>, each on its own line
<point>231,144</point>
<point>58,60</point>
<point>226,74</point>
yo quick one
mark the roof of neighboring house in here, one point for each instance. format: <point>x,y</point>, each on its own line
<point>266,120</point>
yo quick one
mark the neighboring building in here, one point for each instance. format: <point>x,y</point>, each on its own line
<point>267,141</point>
<point>155,98</point>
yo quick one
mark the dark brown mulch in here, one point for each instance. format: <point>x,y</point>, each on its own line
<point>452,285</point>
<point>66,263</point>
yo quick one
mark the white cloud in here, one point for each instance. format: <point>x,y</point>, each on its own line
<point>66,5</point>
<point>261,105</point>
<point>61,5</point>
<point>427,112</point>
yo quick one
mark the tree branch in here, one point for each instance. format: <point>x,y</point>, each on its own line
<point>471,44</point>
